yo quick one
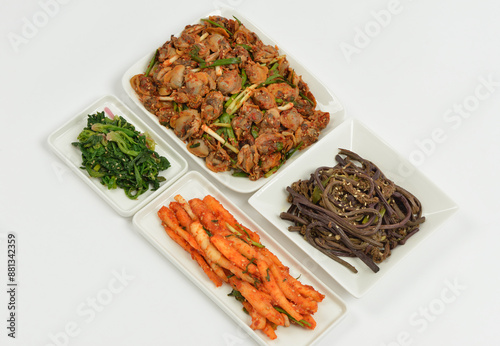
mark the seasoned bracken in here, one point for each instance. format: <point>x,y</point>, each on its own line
<point>353,210</point>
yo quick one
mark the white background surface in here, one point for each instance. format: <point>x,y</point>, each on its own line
<point>404,81</point>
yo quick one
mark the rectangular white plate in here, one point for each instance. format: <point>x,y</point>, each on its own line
<point>326,101</point>
<point>193,185</point>
<point>271,200</point>
<point>61,139</point>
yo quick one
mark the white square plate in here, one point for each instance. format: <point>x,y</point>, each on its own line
<point>271,200</point>
<point>326,101</point>
<point>193,185</point>
<point>61,139</point>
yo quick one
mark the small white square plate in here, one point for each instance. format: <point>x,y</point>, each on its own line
<point>271,200</point>
<point>60,142</point>
<point>326,101</point>
<point>193,185</point>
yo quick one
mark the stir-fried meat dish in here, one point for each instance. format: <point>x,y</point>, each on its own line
<point>234,101</point>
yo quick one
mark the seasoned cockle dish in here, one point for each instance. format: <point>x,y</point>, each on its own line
<point>232,99</point>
